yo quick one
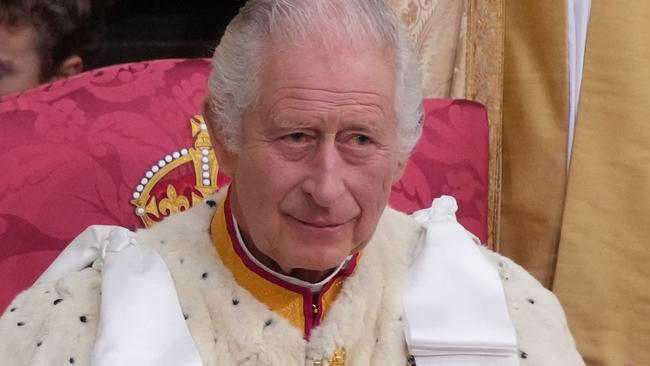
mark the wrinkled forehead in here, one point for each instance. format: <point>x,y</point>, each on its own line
<point>344,71</point>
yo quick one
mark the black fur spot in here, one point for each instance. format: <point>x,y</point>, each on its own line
<point>20,324</point>
<point>530,301</point>
<point>268,322</point>
<point>71,360</point>
<point>12,309</point>
<point>204,275</point>
<point>39,344</point>
<point>57,301</point>
<point>211,203</point>
<point>83,319</point>
<point>186,316</point>
<point>235,302</point>
<point>523,354</point>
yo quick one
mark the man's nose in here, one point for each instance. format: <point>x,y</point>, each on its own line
<point>325,183</point>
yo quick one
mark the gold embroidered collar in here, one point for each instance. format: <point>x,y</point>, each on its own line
<point>298,304</point>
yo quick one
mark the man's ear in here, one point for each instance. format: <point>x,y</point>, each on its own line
<point>70,66</point>
<point>226,159</point>
<point>401,167</point>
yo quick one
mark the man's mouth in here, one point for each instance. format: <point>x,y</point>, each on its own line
<point>318,223</point>
<point>321,224</point>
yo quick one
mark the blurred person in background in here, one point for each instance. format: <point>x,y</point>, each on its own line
<point>45,40</point>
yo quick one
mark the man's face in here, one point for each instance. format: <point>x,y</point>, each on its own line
<point>19,61</point>
<point>318,157</point>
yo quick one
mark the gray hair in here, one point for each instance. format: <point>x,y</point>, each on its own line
<point>234,82</point>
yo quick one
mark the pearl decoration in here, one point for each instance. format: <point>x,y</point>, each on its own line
<point>203,127</point>
<point>205,167</point>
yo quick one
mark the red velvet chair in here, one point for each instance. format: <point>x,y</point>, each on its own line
<point>123,145</point>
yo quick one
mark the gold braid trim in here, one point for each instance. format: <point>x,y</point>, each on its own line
<point>485,61</point>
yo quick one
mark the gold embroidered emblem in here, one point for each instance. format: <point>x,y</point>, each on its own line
<point>337,360</point>
<point>173,203</point>
<point>206,169</point>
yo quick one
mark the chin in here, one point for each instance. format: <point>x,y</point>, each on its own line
<point>321,260</point>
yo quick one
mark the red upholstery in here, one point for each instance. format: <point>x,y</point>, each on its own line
<point>73,152</point>
<point>451,158</point>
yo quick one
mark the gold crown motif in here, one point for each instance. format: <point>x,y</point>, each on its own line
<point>150,208</point>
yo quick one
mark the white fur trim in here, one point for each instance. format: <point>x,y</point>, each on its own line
<point>365,319</point>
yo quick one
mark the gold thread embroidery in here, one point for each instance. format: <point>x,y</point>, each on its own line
<point>338,359</point>
<point>146,205</point>
<point>173,203</point>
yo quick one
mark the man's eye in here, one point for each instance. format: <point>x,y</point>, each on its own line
<point>362,140</point>
<point>296,137</point>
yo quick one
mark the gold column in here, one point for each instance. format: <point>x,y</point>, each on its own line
<point>484,83</point>
<point>535,112</point>
<point>603,272</point>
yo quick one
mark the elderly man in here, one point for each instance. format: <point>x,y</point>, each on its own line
<point>314,107</point>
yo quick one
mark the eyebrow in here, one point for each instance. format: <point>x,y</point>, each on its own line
<point>371,127</point>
